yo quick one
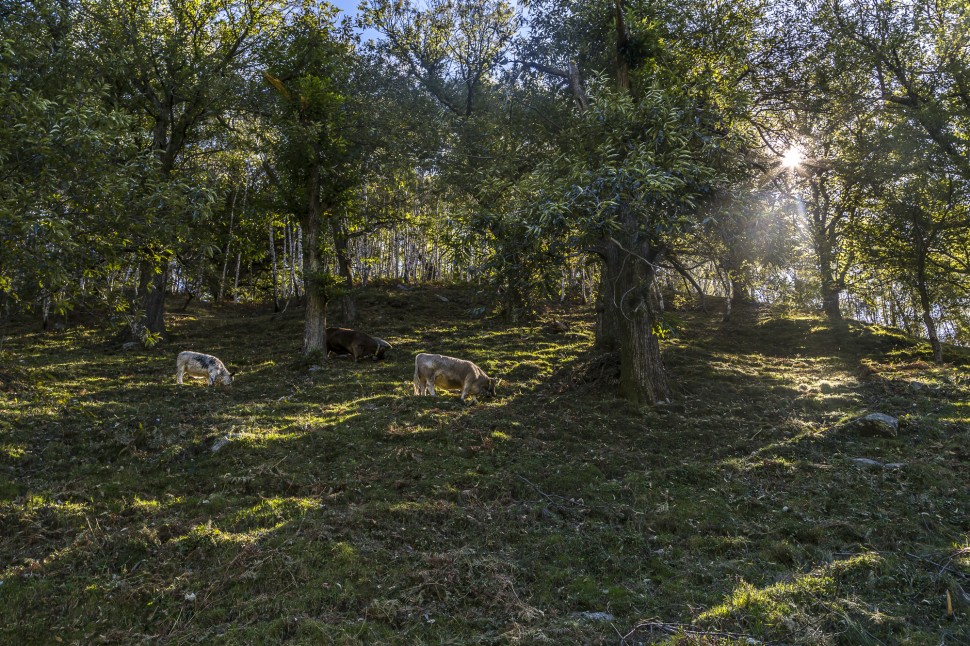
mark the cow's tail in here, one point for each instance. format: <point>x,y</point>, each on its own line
<point>418,389</point>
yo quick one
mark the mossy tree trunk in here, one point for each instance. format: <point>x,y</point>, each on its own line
<point>315,288</point>
<point>628,273</point>
<point>624,318</point>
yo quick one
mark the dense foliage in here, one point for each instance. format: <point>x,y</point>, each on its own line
<point>258,150</point>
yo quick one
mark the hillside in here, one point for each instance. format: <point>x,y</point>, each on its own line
<point>310,504</point>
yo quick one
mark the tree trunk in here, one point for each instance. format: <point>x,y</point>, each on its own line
<point>831,292</point>
<point>299,256</point>
<point>627,279</point>
<point>926,308</point>
<point>689,280</point>
<point>272,255</point>
<point>315,316</point>
<point>45,308</point>
<point>824,239</point>
<point>728,296</point>
<point>225,259</point>
<point>290,237</point>
<point>348,304</point>
<point>740,290</point>
<point>831,303</point>
<point>605,337</point>
<point>154,280</point>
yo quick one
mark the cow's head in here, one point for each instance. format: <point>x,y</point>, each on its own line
<point>490,385</point>
<point>382,347</point>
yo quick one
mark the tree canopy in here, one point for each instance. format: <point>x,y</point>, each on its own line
<point>809,152</point>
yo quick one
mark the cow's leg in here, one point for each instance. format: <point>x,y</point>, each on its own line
<point>178,375</point>
<point>418,383</point>
<point>212,379</point>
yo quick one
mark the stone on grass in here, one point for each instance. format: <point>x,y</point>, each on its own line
<point>867,462</point>
<point>876,425</point>
<point>223,441</point>
<point>594,616</point>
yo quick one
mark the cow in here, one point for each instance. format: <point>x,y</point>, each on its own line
<point>345,341</point>
<point>196,364</point>
<point>449,373</point>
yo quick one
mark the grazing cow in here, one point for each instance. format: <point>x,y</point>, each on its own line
<point>342,340</point>
<point>432,370</point>
<point>196,364</point>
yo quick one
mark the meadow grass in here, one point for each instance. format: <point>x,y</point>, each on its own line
<point>342,509</point>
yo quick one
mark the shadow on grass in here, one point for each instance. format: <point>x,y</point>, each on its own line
<point>345,509</point>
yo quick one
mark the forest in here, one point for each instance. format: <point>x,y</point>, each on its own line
<point>698,241</point>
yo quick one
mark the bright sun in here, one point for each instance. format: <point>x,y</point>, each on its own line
<point>792,158</point>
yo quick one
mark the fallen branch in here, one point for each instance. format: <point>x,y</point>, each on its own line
<point>567,506</point>
<point>945,567</point>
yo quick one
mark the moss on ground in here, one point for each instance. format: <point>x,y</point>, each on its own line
<point>342,509</point>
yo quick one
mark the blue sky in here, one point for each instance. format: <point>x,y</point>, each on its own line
<point>349,8</point>
<point>346,6</point>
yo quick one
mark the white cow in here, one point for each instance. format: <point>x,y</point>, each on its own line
<point>196,364</point>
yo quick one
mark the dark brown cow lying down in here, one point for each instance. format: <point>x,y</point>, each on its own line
<point>341,340</point>
<point>449,373</point>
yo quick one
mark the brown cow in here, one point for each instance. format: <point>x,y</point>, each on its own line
<point>449,373</point>
<point>342,340</point>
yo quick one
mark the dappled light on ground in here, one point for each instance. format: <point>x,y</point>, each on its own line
<point>323,502</point>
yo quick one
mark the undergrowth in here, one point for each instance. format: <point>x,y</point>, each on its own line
<point>321,502</point>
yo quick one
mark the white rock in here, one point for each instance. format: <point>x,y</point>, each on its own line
<point>866,462</point>
<point>594,616</point>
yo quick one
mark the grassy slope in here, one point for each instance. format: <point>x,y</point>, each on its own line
<point>346,510</point>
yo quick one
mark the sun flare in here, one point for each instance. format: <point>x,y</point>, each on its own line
<point>791,158</point>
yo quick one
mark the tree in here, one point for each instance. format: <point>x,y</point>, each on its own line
<point>871,91</point>
<point>920,225</point>
<point>455,53</point>
<point>642,158</point>
<point>68,163</point>
<point>918,56</point>
<point>177,67</point>
<point>317,162</point>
